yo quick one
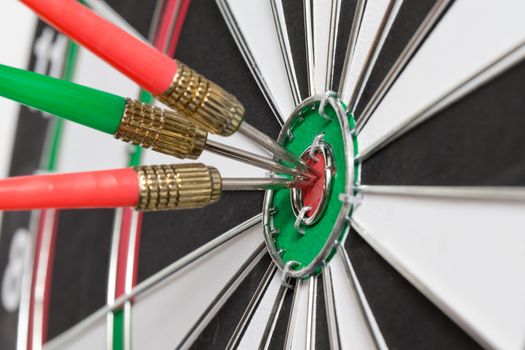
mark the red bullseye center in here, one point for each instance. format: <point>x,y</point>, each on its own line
<point>312,196</point>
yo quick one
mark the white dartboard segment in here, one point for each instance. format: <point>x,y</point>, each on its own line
<point>452,53</point>
<point>286,50</point>
<point>15,49</point>
<point>253,335</point>
<point>296,333</point>
<point>83,149</point>
<point>253,28</point>
<point>355,324</point>
<point>377,19</point>
<point>163,316</point>
<point>104,10</point>
<point>467,254</point>
<point>321,22</point>
<point>89,338</point>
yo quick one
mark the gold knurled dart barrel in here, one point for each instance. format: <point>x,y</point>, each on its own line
<point>215,110</point>
<point>161,130</point>
<point>171,133</point>
<point>207,105</point>
<point>195,185</point>
<point>177,186</point>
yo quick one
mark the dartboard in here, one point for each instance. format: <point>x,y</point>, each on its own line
<point>413,112</point>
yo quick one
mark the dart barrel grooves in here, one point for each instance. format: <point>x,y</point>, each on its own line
<point>161,130</point>
<point>164,187</point>
<point>206,103</point>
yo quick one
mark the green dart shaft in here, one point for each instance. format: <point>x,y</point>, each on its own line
<point>80,104</point>
<point>128,120</point>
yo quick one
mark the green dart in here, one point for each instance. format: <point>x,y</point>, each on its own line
<point>129,120</point>
<point>90,107</point>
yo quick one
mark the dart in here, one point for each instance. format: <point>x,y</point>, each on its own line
<point>146,188</point>
<point>128,120</point>
<point>207,105</point>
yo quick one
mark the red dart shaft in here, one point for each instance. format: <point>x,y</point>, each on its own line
<point>148,67</point>
<point>97,189</point>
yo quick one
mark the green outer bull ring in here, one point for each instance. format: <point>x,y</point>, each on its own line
<point>341,223</point>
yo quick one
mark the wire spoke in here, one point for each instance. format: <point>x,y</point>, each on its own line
<point>311,313</point>
<point>163,277</point>
<point>352,41</point>
<point>377,19</point>
<point>252,306</point>
<point>461,62</point>
<point>321,22</point>
<point>403,59</point>
<point>262,319</point>
<point>259,43</point>
<point>301,324</point>
<point>272,320</point>
<point>346,305</point>
<point>481,77</point>
<point>286,50</point>
<point>436,236</point>
<point>454,192</point>
<point>222,297</point>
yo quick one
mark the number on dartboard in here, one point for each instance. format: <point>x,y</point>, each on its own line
<point>12,281</point>
<point>49,53</point>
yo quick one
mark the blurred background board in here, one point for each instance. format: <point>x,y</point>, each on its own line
<point>204,272</point>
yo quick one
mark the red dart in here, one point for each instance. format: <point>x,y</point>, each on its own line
<point>205,103</point>
<point>97,189</point>
<point>155,187</point>
<point>154,71</point>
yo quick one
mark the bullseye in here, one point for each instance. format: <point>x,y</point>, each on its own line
<point>313,195</point>
<point>302,226</point>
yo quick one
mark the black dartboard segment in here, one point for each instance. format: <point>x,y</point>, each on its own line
<point>346,18</point>
<point>294,17</point>
<point>322,338</point>
<point>81,265</point>
<point>476,141</point>
<point>207,45</point>
<point>171,235</point>
<point>83,244</point>
<point>221,328</point>
<point>168,236</point>
<point>410,16</point>
<point>278,340</point>
<point>406,318</point>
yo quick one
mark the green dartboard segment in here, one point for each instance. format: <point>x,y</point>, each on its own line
<point>304,248</point>
<point>80,104</point>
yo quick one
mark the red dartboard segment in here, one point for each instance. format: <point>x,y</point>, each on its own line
<point>165,29</point>
<point>97,189</point>
<point>166,40</point>
<point>148,67</point>
<point>128,251</point>
<point>183,9</point>
<point>41,279</point>
<point>127,260</point>
<point>312,195</point>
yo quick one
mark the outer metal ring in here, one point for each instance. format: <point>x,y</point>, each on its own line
<point>296,193</point>
<point>341,221</point>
